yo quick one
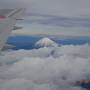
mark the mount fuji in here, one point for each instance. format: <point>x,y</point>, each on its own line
<point>45,42</point>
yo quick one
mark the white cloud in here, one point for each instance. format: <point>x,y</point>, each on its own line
<point>50,25</point>
<point>45,68</point>
<point>35,29</point>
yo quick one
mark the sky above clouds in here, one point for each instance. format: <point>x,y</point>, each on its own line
<point>48,16</point>
<point>51,7</point>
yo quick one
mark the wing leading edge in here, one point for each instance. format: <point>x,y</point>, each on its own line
<point>8,18</point>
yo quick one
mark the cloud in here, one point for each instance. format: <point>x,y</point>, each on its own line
<point>52,7</point>
<point>56,68</point>
<point>54,25</point>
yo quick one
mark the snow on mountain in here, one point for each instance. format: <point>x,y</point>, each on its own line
<point>46,42</point>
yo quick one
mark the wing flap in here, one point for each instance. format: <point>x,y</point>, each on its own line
<point>8,46</point>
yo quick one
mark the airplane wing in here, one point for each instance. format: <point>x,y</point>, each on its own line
<point>8,18</point>
<point>8,46</point>
<point>12,13</point>
<point>17,27</point>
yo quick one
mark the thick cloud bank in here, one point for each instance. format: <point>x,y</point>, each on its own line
<point>55,68</point>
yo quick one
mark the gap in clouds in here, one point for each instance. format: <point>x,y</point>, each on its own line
<point>28,42</point>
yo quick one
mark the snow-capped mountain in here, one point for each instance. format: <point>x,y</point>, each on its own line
<point>46,42</point>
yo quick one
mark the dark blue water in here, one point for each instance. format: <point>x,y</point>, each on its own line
<point>28,42</point>
<point>23,42</point>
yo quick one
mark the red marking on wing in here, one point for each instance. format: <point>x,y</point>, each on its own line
<point>2,17</point>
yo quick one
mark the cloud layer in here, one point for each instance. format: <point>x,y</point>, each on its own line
<point>56,68</point>
<point>53,25</point>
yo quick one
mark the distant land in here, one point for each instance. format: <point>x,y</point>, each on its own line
<point>28,42</point>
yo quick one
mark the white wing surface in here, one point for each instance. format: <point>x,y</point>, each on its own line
<point>8,18</point>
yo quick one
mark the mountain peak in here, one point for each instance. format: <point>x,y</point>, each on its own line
<point>46,42</point>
